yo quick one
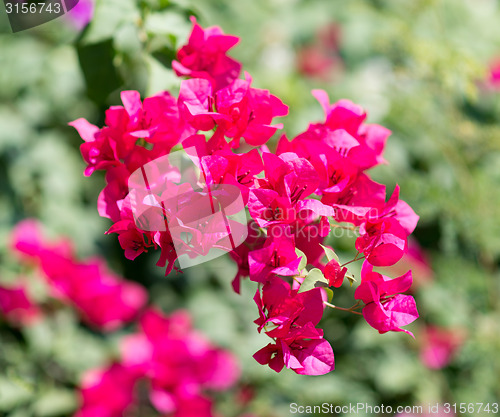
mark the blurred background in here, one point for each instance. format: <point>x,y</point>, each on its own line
<point>429,70</point>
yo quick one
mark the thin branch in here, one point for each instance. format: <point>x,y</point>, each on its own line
<point>349,310</point>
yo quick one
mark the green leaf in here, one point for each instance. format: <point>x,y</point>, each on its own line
<point>56,402</point>
<point>101,76</point>
<point>314,279</point>
<point>329,294</point>
<point>160,78</point>
<point>303,261</point>
<point>330,254</point>
<point>152,5</point>
<point>13,393</point>
<point>168,23</point>
<point>109,15</point>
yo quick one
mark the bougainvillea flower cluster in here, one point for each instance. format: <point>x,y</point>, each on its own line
<point>166,366</point>
<point>104,300</point>
<point>174,364</point>
<point>310,185</point>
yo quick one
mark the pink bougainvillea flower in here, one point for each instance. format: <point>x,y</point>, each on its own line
<point>267,207</point>
<point>204,56</point>
<point>289,175</point>
<point>226,167</point>
<point>81,14</point>
<point>248,112</point>
<point>168,254</point>
<point>280,198</point>
<point>309,356</point>
<point>372,139</point>
<point>386,309</point>
<point>157,120</point>
<point>109,200</point>
<point>290,317</point>
<point>383,242</point>
<point>382,285</point>
<point>354,202</point>
<point>271,355</point>
<point>339,172</point>
<point>174,365</point>
<point>131,239</point>
<point>343,114</point>
<point>196,104</point>
<point>341,147</point>
<point>304,351</point>
<point>246,166</point>
<point>177,360</point>
<point>331,142</point>
<point>26,239</point>
<point>108,392</point>
<point>284,308</point>
<point>204,147</point>
<point>328,152</point>
<point>276,257</point>
<point>308,239</point>
<point>16,305</point>
<point>103,299</point>
<point>398,311</point>
<point>439,346</point>
<point>334,273</point>
<point>239,110</point>
<point>98,147</point>
<point>201,224</point>
<point>397,209</point>
<point>255,240</point>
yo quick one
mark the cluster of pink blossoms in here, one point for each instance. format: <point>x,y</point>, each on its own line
<point>166,365</point>
<point>104,300</point>
<point>295,196</point>
<point>173,362</point>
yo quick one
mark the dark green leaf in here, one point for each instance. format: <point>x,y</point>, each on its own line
<point>101,76</point>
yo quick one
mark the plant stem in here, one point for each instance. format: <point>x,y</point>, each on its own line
<point>339,226</point>
<point>350,310</point>
<point>354,260</point>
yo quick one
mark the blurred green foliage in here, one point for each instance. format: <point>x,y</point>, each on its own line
<point>417,66</point>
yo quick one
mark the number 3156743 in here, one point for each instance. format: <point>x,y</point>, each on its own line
<point>33,8</point>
